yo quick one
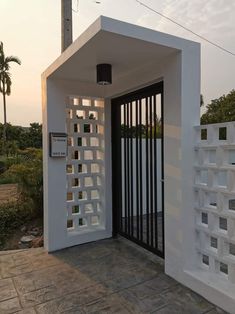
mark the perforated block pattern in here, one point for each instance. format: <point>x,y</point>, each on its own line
<point>85,164</point>
<point>214,200</point>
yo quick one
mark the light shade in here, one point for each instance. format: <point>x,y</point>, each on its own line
<point>104,74</point>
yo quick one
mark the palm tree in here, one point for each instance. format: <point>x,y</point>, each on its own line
<point>5,82</point>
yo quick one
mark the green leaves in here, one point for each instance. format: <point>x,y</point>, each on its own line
<point>5,76</point>
<point>220,110</point>
<point>29,176</point>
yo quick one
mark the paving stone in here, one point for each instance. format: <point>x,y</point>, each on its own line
<point>39,296</point>
<point>111,304</point>
<point>27,311</point>
<point>173,309</point>
<point>73,301</point>
<point>82,296</point>
<point>145,304</point>
<point>62,276</point>
<point>216,311</point>
<point>10,306</point>
<point>7,289</point>
<point>103,277</point>
<point>180,296</point>
<point>22,264</point>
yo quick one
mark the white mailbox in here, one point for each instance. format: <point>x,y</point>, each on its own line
<point>58,145</point>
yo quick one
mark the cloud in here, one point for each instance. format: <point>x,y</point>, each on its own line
<point>212,18</point>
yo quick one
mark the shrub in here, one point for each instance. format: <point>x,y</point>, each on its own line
<point>2,166</point>
<point>13,215</point>
<point>5,180</point>
<point>28,175</point>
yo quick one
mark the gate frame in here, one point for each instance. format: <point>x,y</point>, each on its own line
<point>157,88</point>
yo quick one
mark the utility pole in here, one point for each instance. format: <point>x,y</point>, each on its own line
<point>66,24</point>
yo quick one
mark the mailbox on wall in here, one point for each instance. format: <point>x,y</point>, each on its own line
<point>58,145</point>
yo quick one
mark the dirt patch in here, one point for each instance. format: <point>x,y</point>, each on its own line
<point>8,193</point>
<point>13,242</point>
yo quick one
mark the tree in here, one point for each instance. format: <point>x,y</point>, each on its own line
<point>220,110</point>
<point>5,81</point>
<point>34,135</point>
<point>21,137</point>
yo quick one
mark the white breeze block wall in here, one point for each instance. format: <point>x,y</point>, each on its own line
<point>215,201</point>
<point>85,164</point>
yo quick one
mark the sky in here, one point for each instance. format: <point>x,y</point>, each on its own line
<point>31,30</point>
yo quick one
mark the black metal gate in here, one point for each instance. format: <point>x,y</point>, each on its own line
<point>137,154</point>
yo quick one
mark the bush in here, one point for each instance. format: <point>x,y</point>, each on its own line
<point>5,180</point>
<point>13,215</point>
<point>2,166</point>
<point>29,176</point>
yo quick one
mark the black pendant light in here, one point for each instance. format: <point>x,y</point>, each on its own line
<point>104,74</point>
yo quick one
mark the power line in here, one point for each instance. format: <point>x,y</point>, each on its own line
<point>185,28</point>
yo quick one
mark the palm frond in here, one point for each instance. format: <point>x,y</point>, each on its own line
<point>12,59</point>
<point>5,75</point>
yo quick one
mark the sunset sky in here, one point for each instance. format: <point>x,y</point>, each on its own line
<point>30,29</point>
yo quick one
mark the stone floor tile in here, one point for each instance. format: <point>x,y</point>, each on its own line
<point>143,305</point>
<point>27,311</point>
<point>216,310</point>
<point>9,270</point>
<point>22,264</point>
<point>107,276</point>
<point>153,286</point>
<point>7,289</point>
<point>39,296</point>
<point>73,302</point>
<point>33,281</point>
<point>10,306</point>
<point>173,309</point>
<point>112,304</point>
<point>120,283</point>
<point>187,299</point>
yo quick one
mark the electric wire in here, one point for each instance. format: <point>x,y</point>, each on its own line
<point>186,28</point>
<point>77,6</point>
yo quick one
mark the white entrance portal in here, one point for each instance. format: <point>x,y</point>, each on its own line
<point>78,189</point>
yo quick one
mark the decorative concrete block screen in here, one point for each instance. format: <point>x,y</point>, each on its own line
<point>215,198</point>
<point>85,164</point>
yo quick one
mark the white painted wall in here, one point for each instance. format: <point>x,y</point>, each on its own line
<point>55,93</point>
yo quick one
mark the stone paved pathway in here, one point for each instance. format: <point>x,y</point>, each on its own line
<point>108,276</point>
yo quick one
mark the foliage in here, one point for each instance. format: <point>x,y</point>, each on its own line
<point>5,180</point>
<point>152,129</point>
<point>12,215</point>
<point>20,138</point>
<point>28,174</point>
<point>220,110</point>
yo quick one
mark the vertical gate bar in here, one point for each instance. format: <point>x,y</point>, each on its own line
<point>147,168</point>
<point>155,170</point>
<point>121,138</point>
<point>137,167</point>
<point>162,164</point>
<point>125,163</point>
<point>128,168</point>
<point>131,170</point>
<point>116,155</point>
<point>141,173</point>
<point>151,172</point>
